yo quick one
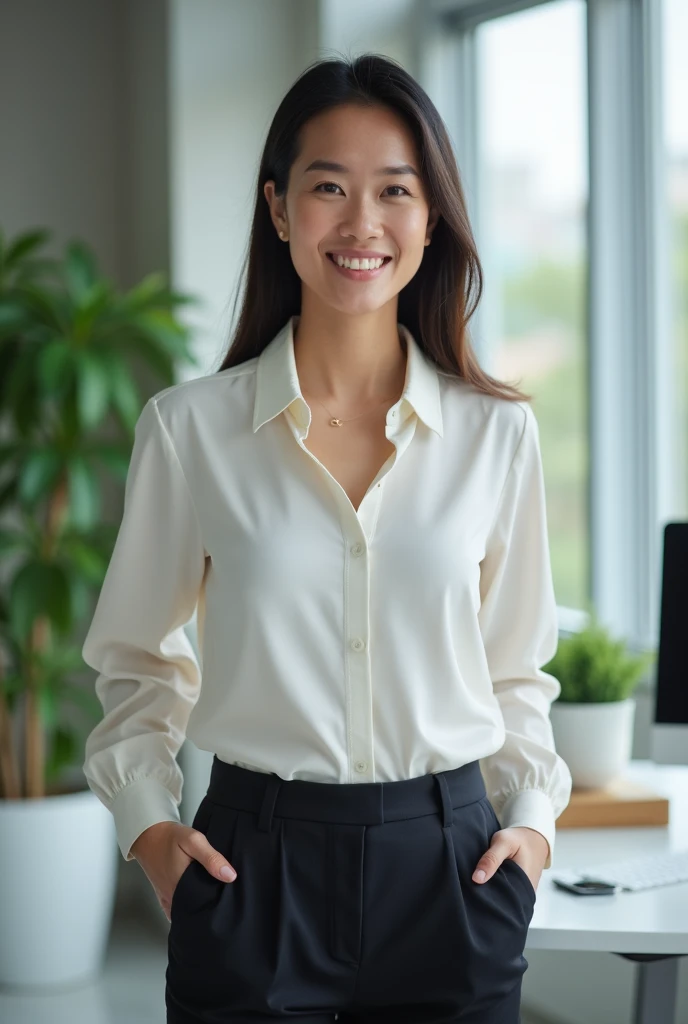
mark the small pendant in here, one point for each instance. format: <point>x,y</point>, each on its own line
<point>335,423</point>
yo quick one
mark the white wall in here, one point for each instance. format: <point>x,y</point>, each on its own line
<point>83,127</point>
<point>62,122</point>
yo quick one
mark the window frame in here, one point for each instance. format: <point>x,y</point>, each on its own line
<point>630,416</point>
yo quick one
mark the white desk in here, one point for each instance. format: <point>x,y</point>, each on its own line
<point>650,926</point>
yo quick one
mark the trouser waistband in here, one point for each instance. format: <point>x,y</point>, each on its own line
<point>365,803</point>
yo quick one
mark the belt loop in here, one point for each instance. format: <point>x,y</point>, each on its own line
<point>267,806</point>
<point>447,809</point>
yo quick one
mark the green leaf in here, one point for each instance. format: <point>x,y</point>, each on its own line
<point>37,589</point>
<point>63,752</point>
<point>81,590</point>
<point>13,540</point>
<point>161,326</point>
<point>80,271</point>
<point>93,388</point>
<point>48,707</point>
<point>183,299</point>
<point>96,303</point>
<point>85,558</point>
<point>8,492</point>
<point>23,245</point>
<point>48,307</point>
<point>151,291</point>
<point>84,496</point>
<point>123,393</point>
<point>39,475</point>
<point>20,392</point>
<point>9,350</point>
<point>56,367</point>
<point>13,317</point>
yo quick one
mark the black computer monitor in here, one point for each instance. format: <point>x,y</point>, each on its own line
<point>669,739</point>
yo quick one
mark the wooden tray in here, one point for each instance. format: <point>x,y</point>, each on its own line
<point>621,803</point>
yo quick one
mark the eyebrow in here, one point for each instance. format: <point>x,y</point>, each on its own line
<point>329,165</point>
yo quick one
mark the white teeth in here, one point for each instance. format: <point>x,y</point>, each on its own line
<point>356,264</point>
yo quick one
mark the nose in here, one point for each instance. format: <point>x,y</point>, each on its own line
<point>361,220</point>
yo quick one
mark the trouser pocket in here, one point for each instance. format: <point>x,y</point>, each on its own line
<point>494,915</point>
<point>492,825</point>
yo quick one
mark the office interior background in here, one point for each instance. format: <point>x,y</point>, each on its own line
<point>136,125</point>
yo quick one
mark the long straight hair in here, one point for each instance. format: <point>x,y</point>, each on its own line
<point>440,299</point>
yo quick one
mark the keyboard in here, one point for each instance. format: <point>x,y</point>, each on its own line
<point>636,873</point>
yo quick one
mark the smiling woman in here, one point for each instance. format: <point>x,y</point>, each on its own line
<point>358,510</point>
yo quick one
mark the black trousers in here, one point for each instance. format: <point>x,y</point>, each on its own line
<point>353,902</point>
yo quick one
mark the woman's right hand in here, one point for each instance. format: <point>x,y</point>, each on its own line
<point>166,849</point>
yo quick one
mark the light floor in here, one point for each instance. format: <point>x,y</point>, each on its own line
<point>130,991</point>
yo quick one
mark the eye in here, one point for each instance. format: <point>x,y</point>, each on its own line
<point>332,184</point>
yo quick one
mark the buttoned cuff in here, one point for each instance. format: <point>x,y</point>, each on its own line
<point>142,803</point>
<point>532,808</point>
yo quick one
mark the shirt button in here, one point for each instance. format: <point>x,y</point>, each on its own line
<point>361,766</point>
<point>356,549</point>
<point>357,643</point>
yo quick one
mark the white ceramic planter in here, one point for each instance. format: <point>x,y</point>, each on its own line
<point>58,878</point>
<point>595,740</point>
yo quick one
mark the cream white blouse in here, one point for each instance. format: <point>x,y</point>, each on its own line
<point>334,645</point>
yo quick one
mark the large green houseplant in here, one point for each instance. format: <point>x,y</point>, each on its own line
<point>594,715</point>
<point>72,348</point>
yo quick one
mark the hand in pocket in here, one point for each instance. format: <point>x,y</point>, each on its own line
<point>166,849</point>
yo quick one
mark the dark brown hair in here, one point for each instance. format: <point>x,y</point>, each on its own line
<point>440,299</point>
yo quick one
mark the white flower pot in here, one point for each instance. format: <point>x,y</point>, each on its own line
<point>595,740</point>
<point>58,879</point>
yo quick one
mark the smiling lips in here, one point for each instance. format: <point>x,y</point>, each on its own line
<point>359,264</point>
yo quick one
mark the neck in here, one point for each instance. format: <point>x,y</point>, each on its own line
<point>349,361</point>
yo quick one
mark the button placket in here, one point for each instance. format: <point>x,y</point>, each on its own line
<point>358,659</point>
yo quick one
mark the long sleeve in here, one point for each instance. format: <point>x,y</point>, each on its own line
<point>149,676</point>
<point>527,782</point>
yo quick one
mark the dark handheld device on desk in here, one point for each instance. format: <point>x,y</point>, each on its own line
<point>586,886</point>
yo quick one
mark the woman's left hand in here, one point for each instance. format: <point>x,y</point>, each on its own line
<point>524,845</point>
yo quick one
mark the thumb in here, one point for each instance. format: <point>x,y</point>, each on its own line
<point>489,862</point>
<point>211,859</point>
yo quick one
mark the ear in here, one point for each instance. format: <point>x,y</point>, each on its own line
<point>276,203</point>
<point>433,218</point>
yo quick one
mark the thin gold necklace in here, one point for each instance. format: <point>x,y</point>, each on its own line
<point>335,422</point>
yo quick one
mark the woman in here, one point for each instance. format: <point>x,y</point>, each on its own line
<point>358,511</point>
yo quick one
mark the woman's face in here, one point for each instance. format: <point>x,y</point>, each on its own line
<point>370,198</point>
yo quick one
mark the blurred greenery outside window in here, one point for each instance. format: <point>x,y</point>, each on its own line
<point>533,198</point>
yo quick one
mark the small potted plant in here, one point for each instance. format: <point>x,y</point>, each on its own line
<point>593,717</point>
<point>69,402</point>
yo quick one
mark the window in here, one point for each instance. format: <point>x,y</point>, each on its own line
<point>675,134</point>
<point>532,192</point>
